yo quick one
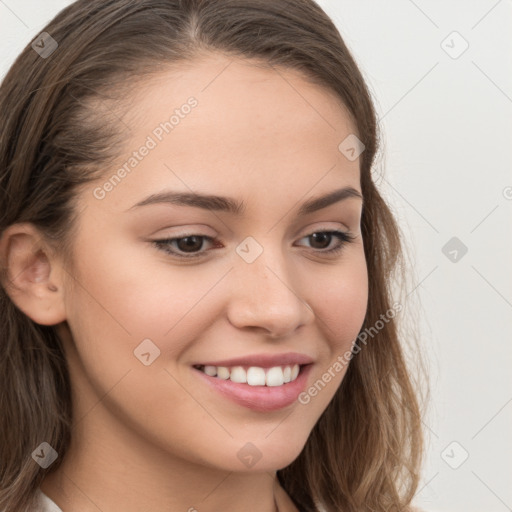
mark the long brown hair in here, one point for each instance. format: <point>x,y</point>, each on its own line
<point>365,450</point>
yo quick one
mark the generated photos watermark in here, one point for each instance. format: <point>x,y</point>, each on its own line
<point>343,360</point>
<point>157,135</point>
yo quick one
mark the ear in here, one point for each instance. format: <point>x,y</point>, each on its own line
<point>31,276</point>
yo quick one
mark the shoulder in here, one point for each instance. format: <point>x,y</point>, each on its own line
<point>45,504</point>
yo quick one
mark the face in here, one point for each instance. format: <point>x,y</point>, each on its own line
<point>270,279</point>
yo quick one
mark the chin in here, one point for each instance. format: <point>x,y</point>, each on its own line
<point>273,453</point>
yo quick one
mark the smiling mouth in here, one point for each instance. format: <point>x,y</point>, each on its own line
<point>254,375</point>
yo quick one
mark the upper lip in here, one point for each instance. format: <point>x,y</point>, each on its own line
<point>262,360</point>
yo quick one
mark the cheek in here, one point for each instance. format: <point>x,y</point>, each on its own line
<point>134,294</point>
<point>340,307</point>
<point>341,303</point>
<point>109,318</point>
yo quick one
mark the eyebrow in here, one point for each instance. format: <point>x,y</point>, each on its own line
<point>227,204</point>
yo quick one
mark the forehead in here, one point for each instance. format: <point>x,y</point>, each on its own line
<point>230,88</point>
<point>222,124</point>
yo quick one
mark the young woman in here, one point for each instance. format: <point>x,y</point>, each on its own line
<point>195,310</point>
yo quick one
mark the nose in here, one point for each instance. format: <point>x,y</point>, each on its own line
<point>264,297</point>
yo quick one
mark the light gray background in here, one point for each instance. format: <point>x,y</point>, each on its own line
<point>446,122</point>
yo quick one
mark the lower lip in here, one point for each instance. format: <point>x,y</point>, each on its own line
<point>260,398</point>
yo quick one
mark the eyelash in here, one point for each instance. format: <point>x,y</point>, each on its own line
<point>163,245</point>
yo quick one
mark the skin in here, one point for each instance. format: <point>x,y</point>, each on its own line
<point>155,437</point>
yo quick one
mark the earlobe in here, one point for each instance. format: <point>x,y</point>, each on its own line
<point>31,277</point>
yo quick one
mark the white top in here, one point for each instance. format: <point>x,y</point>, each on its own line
<point>45,504</point>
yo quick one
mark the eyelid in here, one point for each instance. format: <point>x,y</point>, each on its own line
<point>199,230</point>
<point>301,233</point>
<point>343,237</point>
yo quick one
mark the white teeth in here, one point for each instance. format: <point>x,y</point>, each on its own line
<point>222,372</point>
<point>210,370</point>
<point>274,376</point>
<point>255,376</point>
<point>238,374</point>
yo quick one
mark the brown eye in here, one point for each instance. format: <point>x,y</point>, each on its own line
<point>324,239</point>
<point>189,243</point>
<point>184,247</point>
<point>321,238</point>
